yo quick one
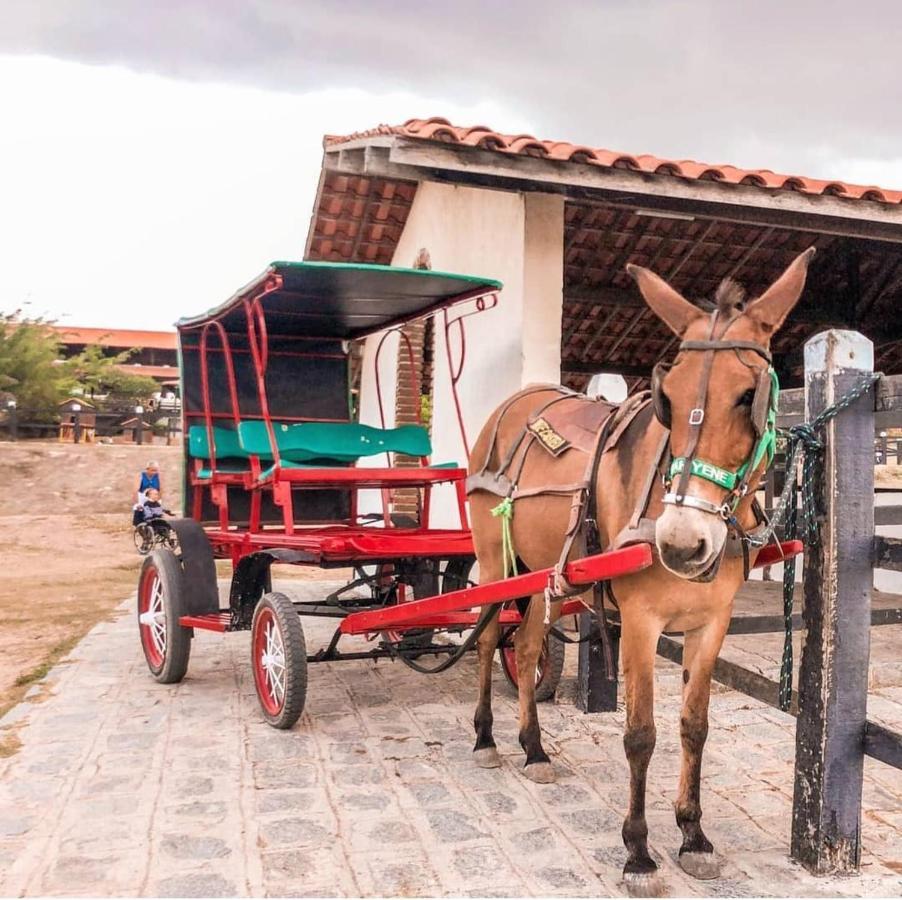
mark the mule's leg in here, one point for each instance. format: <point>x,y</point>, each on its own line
<point>485,754</point>
<point>700,651</point>
<point>528,641</point>
<point>638,646</point>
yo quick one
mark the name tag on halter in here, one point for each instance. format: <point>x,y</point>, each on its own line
<point>705,470</point>
<point>554,443</point>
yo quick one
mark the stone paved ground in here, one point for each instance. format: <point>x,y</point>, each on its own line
<point>126,787</point>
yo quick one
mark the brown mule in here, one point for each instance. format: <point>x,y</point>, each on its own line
<point>711,399</point>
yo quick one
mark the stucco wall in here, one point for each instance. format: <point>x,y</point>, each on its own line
<point>517,239</point>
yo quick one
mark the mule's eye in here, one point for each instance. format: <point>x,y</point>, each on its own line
<point>746,399</point>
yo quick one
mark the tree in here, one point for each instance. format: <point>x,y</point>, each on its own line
<point>96,373</point>
<point>29,363</point>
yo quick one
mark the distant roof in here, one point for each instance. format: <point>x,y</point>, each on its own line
<point>158,372</point>
<point>342,300</point>
<point>116,337</point>
<point>438,129</point>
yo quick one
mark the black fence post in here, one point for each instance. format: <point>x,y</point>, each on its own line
<point>838,577</point>
<point>594,691</point>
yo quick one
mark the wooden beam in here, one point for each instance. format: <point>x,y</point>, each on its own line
<point>573,367</point>
<point>418,160</point>
<point>838,578</point>
<point>880,743</point>
<point>888,553</point>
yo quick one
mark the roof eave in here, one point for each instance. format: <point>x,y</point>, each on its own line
<point>414,159</point>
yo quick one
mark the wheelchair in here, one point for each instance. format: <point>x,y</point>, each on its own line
<point>154,534</point>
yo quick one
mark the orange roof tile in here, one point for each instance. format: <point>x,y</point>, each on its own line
<point>438,129</point>
<point>116,337</point>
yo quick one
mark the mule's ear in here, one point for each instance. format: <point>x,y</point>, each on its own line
<point>672,308</point>
<point>775,304</point>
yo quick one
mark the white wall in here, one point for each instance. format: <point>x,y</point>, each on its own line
<point>512,237</point>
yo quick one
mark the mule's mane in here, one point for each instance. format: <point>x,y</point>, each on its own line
<point>729,299</point>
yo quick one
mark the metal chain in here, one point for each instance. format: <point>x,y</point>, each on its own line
<point>804,444</point>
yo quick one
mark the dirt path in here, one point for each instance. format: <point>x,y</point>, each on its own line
<point>66,552</point>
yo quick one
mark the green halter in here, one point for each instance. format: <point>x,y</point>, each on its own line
<point>764,448</point>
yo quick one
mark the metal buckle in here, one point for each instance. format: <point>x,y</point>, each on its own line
<point>696,416</point>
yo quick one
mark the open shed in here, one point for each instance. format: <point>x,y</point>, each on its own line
<point>557,222</point>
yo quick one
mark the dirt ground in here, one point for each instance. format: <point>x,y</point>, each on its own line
<point>66,552</point>
<point>67,557</point>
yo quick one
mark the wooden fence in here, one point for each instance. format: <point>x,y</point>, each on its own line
<point>833,734</point>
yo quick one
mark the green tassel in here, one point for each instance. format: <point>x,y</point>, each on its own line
<point>505,511</point>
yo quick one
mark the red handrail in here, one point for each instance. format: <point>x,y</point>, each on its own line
<point>424,460</point>
<point>259,344</point>
<point>205,383</point>
<point>455,372</point>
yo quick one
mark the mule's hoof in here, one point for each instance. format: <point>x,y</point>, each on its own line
<point>703,866</point>
<point>540,773</point>
<point>487,758</point>
<point>644,884</point>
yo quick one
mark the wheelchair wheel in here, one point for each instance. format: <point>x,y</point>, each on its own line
<point>144,538</point>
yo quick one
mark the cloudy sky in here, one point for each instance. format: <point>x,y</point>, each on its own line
<point>153,157</point>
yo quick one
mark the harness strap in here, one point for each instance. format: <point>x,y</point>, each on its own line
<point>697,416</point>
<point>711,344</point>
<point>525,392</point>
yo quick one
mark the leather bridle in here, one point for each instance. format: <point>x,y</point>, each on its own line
<point>738,483</point>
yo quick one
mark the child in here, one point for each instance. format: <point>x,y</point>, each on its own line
<point>152,511</point>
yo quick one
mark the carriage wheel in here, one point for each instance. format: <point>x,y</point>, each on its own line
<point>143,535</point>
<point>279,660</point>
<point>161,601</point>
<point>548,669</point>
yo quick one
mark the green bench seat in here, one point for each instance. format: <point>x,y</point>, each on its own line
<point>331,442</point>
<point>303,445</point>
<point>230,458</point>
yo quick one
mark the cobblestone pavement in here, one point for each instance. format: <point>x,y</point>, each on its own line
<point>126,787</point>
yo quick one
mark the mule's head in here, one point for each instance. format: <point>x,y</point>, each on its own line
<point>689,534</point>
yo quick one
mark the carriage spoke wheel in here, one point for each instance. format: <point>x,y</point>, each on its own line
<point>548,668</point>
<point>161,601</point>
<point>279,660</point>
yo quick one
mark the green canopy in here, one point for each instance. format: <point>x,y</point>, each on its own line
<point>343,300</point>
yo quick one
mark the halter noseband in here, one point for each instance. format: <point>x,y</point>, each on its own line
<point>735,483</point>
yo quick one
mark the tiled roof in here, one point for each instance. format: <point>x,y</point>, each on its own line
<point>359,219</point>
<point>438,129</point>
<point>116,337</point>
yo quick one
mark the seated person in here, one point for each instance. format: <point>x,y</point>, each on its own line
<point>152,511</point>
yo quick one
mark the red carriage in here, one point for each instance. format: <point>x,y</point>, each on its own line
<point>274,470</point>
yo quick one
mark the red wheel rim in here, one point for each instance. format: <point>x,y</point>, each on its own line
<point>268,660</point>
<point>152,617</point>
<point>510,661</point>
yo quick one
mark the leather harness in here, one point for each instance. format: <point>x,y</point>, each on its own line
<point>594,427</point>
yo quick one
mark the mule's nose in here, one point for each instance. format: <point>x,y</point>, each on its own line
<point>685,556</point>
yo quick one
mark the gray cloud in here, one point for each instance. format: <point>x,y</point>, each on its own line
<point>791,85</point>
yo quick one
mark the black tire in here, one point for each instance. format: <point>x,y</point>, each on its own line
<point>423,584</point>
<point>281,681</point>
<point>551,665</point>
<point>162,596</point>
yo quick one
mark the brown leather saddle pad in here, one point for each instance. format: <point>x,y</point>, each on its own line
<point>576,421</point>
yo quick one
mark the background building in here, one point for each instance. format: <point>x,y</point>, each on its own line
<point>557,223</point>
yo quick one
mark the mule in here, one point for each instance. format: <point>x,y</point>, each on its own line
<point>696,450</point>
